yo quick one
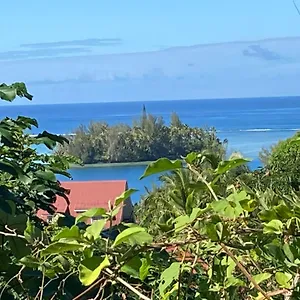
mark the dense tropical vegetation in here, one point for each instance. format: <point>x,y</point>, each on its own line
<point>213,230</point>
<point>148,139</point>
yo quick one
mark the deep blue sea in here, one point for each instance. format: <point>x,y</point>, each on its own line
<point>249,124</point>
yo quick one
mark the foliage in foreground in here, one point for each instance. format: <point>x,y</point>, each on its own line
<point>227,242</point>
<point>238,246</point>
<point>283,163</point>
<point>147,140</point>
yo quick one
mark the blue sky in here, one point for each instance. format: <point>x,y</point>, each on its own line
<point>79,51</point>
<point>146,25</point>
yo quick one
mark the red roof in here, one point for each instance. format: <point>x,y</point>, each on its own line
<point>89,194</point>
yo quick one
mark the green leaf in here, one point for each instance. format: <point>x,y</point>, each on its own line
<point>28,122</point>
<point>161,165</point>
<point>168,276</point>
<point>96,228</point>
<point>230,207</point>
<point>132,267</point>
<point>50,140</point>
<point>30,262</point>
<point>90,269</point>
<point>190,203</point>
<point>273,227</point>
<point>91,213</point>
<point>61,247</point>
<point>114,212</point>
<point>7,93</point>
<point>233,281</point>
<point>18,247</point>
<point>284,279</point>
<point>225,166</point>
<point>6,134</point>
<point>12,168</point>
<point>10,92</point>
<point>124,196</point>
<point>288,252</point>
<point>197,212</point>
<point>172,292</point>
<point>283,211</point>
<point>267,215</point>
<point>46,175</point>
<point>21,90</point>
<point>211,232</point>
<point>181,222</point>
<point>31,232</point>
<point>219,206</point>
<point>191,157</point>
<point>261,277</point>
<point>224,208</point>
<point>132,236</point>
<point>67,233</point>
<point>248,204</point>
<point>219,228</point>
<point>231,266</point>
<point>144,269</point>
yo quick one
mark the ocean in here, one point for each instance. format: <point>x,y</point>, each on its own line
<point>249,124</point>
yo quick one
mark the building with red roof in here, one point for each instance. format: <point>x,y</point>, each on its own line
<point>93,194</point>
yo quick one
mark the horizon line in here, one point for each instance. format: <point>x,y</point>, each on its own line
<point>31,103</point>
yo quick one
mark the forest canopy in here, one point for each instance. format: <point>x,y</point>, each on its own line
<point>148,139</point>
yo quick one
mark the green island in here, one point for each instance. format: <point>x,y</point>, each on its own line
<point>212,230</point>
<point>148,139</point>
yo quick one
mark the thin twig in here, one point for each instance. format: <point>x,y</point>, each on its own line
<point>41,289</point>
<point>88,289</point>
<point>274,293</point>
<point>296,7</point>
<point>101,291</point>
<point>205,182</point>
<point>130,287</point>
<point>245,272</point>
<point>18,275</point>
<point>42,286</point>
<point>180,275</point>
<point>62,285</point>
<point>12,234</point>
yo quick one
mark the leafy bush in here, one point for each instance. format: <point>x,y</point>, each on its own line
<point>283,162</point>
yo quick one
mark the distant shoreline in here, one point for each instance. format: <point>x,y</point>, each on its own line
<point>108,165</point>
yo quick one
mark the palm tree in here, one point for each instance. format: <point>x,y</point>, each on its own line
<point>178,184</point>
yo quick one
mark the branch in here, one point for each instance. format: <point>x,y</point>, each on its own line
<point>12,234</point>
<point>274,293</point>
<point>42,286</point>
<point>62,285</point>
<point>78,297</point>
<point>204,181</point>
<point>18,276</point>
<point>130,287</point>
<point>245,272</point>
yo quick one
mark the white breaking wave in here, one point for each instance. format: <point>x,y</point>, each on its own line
<point>256,130</point>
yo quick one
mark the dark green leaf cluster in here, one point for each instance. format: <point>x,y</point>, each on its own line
<point>282,165</point>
